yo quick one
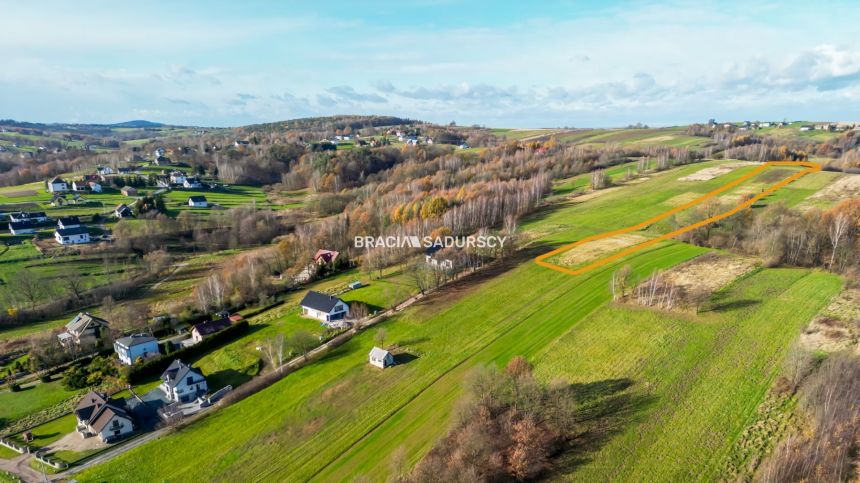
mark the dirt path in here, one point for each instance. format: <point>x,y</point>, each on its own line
<point>20,465</point>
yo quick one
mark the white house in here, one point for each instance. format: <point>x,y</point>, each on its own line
<point>192,183</point>
<point>68,222</point>
<point>57,185</point>
<point>85,328</point>
<point>104,170</point>
<point>34,217</point>
<point>99,415</point>
<point>177,177</point>
<point>324,307</point>
<point>807,127</point>
<point>123,211</point>
<point>72,236</point>
<point>135,346</point>
<point>81,185</point>
<point>182,383</point>
<point>21,228</point>
<point>439,262</point>
<point>95,186</point>
<point>198,202</point>
<point>381,358</point>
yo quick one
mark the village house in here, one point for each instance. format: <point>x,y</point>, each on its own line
<point>34,217</point>
<point>325,257</point>
<point>128,191</point>
<point>57,185</point>
<point>807,127</point>
<point>68,222</point>
<point>84,329</point>
<point>79,185</point>
<point>72,236</point>
<point>182,383</point>
<point>240,143</point>
<point>21,228</point>
<point>99,415</point>
<point>192,183</point>
<point>95,187</point>
<point>198,201</point>
<point>177,177</point>
<point>381,358</point>
<point>162,161</point>
<point>105,170</point>
<point>208,328</point>
<point>135,346</point>
<point>58,199</point>
<point>123,211</point>
<point>324,307</point>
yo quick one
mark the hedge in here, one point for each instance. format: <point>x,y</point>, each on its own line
<point>155,367</point>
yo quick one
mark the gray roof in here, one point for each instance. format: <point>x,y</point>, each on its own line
<point>78,230</point>
<point>176,372</point>
<point>212,326</point>
<point>197,198</point>
<point>136,339</point>
<point>69,220</point>
<point>83,321</point>
<point>319,301</point>
<point>377,353</point>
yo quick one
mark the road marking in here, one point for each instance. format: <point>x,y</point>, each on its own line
<point>811,168</point>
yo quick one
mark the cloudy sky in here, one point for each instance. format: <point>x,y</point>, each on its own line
<point>496,63</point>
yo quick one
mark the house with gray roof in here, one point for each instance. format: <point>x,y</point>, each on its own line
<point>99,415</point>
<point>381,358</point>
<point>182,383</point>
<point>135,346</point>
<point>84,329</point>
<point>324,307</point>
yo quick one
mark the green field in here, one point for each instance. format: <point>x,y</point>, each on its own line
<point>31,398</point>
<point>702,377</point>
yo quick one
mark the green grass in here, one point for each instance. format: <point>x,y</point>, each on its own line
<point>51,431</point>
<point>6,453</point>
<point>339,418</point>
<point>32,398</point>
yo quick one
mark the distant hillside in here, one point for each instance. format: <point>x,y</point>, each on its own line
<point>138,124</point>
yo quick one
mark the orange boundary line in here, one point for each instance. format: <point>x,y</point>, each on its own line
<point>540,260</point>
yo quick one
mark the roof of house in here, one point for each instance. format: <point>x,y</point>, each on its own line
<point>377,353</point>
<point>89,403</point>
<point>78,230</point>
<point>70,220</point>
<point>211,326</point>
<point>83,321</point>
<point>176,372</point>
<point>197,199</point>
<point>136,339</point>
<point>104,416</point>
<point>327,255</point>
<point>122,207</point>
<point>20,225</point>
<point>319,301</point>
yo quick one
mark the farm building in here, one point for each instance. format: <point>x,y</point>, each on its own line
<point>182,383</point>
<point>57,185</point>
<point>128,191</point>
<point>324,307</point>
<point>136,346</point>
<point>68,222</point>
<point>208,328</point>
<point>99,415</point>
<point>72,236</point>
<point>381,358</point>
<point>85,328</point>
<point>21,228</point>
<point>123,211</point>
<point>198,201</point>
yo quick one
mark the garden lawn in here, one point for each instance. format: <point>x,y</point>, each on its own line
<point>31,398</point>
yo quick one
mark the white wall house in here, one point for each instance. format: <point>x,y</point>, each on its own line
<point>192,183</point>
<point>72,236</point>
<point>177,177</point>
<point>21,228</point>
<point>98,415</point>
<point>68,222</point>
<point>95,187</point>
<point>58,185</point>
<point>381,358</point>
<point>324,307</point>
<point>198,202</point>
<point>136,346</point>
<point>182,383</point>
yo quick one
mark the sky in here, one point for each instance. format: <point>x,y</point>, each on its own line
<point>497,63</point>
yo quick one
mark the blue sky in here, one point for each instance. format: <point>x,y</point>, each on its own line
<point>512,64</point>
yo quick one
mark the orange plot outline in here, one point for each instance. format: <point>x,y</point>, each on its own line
<point>540,260</point>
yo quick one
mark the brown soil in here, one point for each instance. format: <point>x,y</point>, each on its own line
<point>847,186</point>
<point>709,272</point>
<point>596,249</point>
<point>715,171</point>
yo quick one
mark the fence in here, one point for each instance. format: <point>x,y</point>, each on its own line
<point>18,448</point>
<point>53,463</point>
